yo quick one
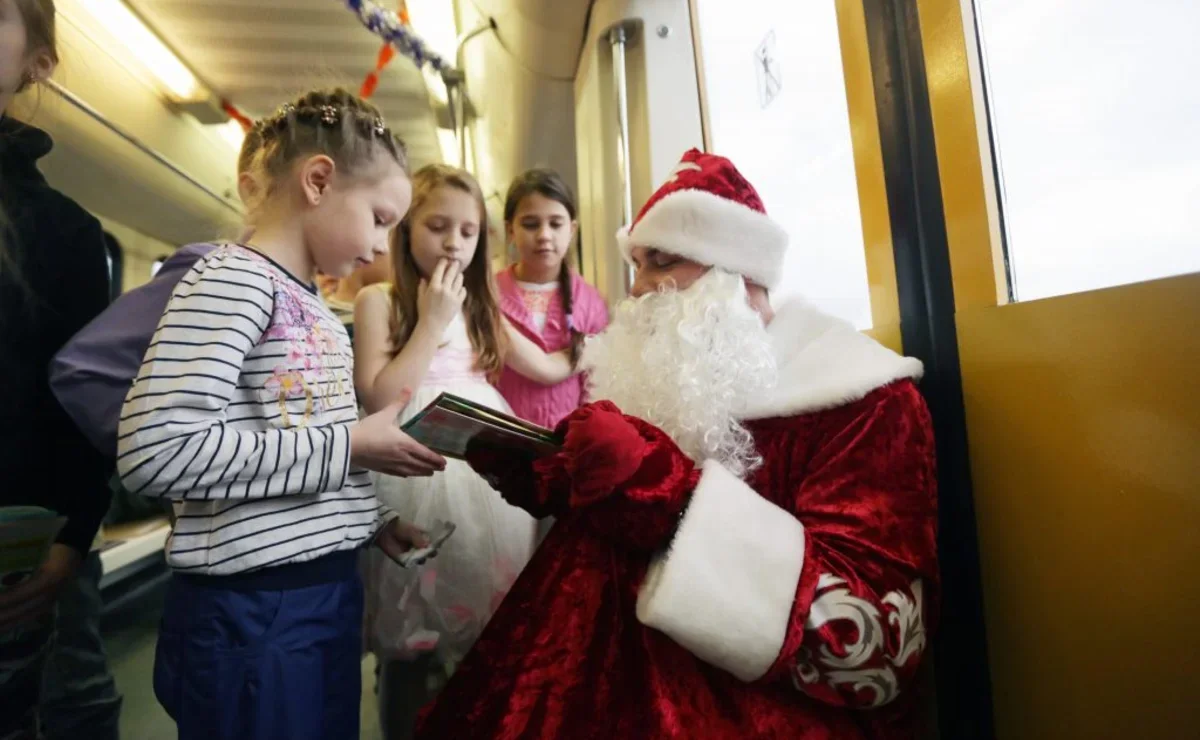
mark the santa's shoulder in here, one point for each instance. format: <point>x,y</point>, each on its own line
<point>825,363</point>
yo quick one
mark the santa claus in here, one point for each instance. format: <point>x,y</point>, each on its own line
<point>745,544</point>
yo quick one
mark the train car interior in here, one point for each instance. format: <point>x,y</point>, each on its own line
<point>1004,189</point>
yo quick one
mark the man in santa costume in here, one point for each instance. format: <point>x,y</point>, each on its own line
<point>745,544</point>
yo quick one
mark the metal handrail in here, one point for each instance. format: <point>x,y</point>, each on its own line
<point>456,88</point>
<point>617,38</point>
<point>146,149</point>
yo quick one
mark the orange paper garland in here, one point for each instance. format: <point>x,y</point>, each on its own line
<point>386,54</point>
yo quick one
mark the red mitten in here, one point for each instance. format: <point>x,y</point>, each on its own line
<point>629,476</point>
<point>602,451</point>
<point>645,511</point>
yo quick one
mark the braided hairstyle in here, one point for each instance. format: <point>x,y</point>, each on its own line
<point>551,185</point>
<point>336,123</point>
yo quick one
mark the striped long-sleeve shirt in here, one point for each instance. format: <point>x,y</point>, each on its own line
<point>240,414</point>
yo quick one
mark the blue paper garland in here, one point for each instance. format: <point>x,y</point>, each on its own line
<point>386,25</point>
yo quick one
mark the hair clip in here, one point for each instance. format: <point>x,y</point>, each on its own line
<point>570,322</point>
<point>280,118</point>
<point>378,126</point>
<point>329,115</point>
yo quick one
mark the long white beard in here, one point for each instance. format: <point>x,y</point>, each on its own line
<point>688,362</point>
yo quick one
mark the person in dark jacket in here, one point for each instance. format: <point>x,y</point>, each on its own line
<point>54,281</point>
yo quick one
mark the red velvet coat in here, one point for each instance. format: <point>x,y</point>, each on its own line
<point>794,605</point>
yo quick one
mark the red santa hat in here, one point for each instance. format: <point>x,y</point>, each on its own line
<point>708,213</point>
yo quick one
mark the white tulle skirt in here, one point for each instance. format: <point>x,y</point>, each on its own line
<point>442,606</point>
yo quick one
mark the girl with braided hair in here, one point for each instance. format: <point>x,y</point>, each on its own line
<point>244,415</point>
<point>542,296</point>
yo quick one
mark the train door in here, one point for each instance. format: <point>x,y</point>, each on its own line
<point>1042,198</point>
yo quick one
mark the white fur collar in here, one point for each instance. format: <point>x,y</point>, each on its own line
<point>824,362</point>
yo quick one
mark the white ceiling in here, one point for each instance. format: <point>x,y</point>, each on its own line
<point>261,53</point>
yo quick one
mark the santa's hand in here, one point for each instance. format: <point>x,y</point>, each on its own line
<point>630,479</point>
<point>538,486</point>
<point>612,465</point>
<point>602,450</point>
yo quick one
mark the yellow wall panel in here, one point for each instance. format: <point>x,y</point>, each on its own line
<point>1084,421</point>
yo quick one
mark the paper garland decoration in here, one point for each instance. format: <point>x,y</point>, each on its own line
<point>387,53</point>
<point>388,26</point>
<point>235,114</point>
<point>393,28</point>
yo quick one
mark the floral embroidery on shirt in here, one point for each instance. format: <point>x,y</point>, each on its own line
<point>317,364</point>
<point>289,383</point>
<point>292,320</point>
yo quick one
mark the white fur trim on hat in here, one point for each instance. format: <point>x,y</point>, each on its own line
<point>712,230</point>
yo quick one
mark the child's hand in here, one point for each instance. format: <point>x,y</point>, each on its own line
<point>398,537</point>
<point>376,443</point>
<point>440,298</point>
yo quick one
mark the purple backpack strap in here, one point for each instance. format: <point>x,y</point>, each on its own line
<point>91,375</point>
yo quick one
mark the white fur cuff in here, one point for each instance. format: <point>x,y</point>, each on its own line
<point>726,588</point>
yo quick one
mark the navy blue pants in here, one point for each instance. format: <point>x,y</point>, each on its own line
<point>261,664</point>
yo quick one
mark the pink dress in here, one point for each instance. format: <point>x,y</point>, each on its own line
<point>442,607</point>
<point>540,404</point>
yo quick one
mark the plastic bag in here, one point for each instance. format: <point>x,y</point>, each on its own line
<point>443,605</point>
<point>415,610</point>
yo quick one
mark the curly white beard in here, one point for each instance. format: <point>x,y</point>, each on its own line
<point>688,361</point>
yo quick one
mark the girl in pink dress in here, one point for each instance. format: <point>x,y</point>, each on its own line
<point>541,296</point>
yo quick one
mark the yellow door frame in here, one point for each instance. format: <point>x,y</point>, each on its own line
<point>904,82</point>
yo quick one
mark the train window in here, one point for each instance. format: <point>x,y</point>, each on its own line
<point>776,102</point>
<point>1094,111</point>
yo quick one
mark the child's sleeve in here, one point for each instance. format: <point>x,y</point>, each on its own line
<point>91,375</point>
<point>173,439</point>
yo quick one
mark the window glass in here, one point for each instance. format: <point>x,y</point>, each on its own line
<point>1095,114</point>
<point>777,107</point>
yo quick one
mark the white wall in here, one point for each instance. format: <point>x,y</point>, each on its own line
<point>797,150</point>
<point>521,93</point>
<point>664,120</point>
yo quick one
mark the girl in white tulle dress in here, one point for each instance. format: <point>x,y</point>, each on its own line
<point>437,328</point>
